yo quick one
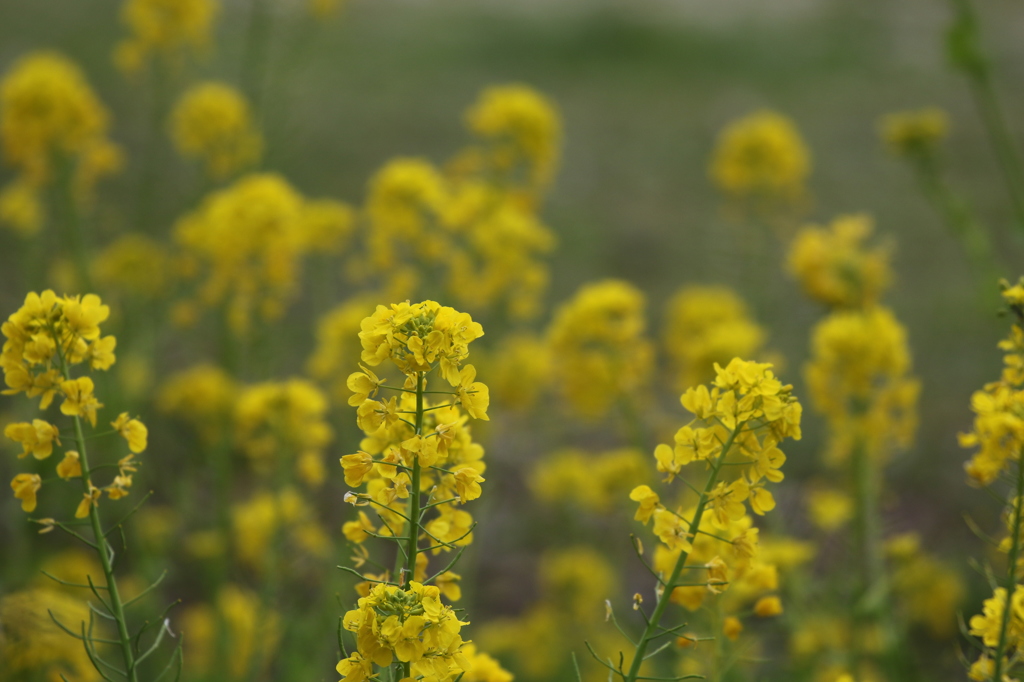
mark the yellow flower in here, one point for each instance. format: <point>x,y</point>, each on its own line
<point>89,500</point>
<point>363,385</point>
<point>768,606</point>
<point>909,133</point>
<point>132,430</point>
<point>79,400</point>
<point>70,466</point>
<point>21,207</point>
<point>705,325</point>
<point>521,127</point>
<point>135,264</point>
<point>598,340</point>
<point>47,108</point>
<point>355,531</point>
<point>212,122</point>
<point>25,487</point>
<point>649,502</point>
<point>732,628</point>
<point>357,467</point>
<point>473,395</point>
<point>829,509</point>
<point>835,266</point>
<point>672,530</point>
<point>762,156</point>
<point>36,438</point>
<point>467,483</point>
<point>168,28</point>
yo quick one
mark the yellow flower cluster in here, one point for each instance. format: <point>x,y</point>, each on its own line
<point>705,325</point>
<point>835,266</point>
<point>203,395</point>
<point>915,133</point>
<point>134,264</point>
<point>740,420</point>
<point>761,156</point>
<point>238,618</point>
<point>51,125</point>
<point>251,237</point>
<point>267,518</point>
<point>998,430</point>
<point>419,338</point>
<point>859,378</point>
<point>212,122</point>
<point>475,226</point>
<point>32,643</point>
<point>928,591</point>
<point>45,338</point>
<point>169,29</point>
<point>989,624</point>
<point>412,626</point>
<point>279,421</point>
<point>520,131</point>
<point>595,482</point>
<point>598,338</point>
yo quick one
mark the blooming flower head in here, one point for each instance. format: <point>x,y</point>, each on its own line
<point>836,266</point>
<point>169,29</point>
<point>212,122</point>
<point>409,626</point>
<point>913,133</point>
<point>282,419</point>
<point>416,337</point>
<point>47,108</point>
<point>248,240</point>
<point>520,128</point>
<point>598,346</point>
<point>859,377</point>
<point>761,154</point>
<point>705,325</point>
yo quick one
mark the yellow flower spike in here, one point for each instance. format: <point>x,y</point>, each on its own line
<point>70,466</point>
<point>767,607</point>
<point>133,431</point>
<point>25,487</point>
<point>168,29</point>
<point>89,500</point>
<point>36,438</point>
<point>79,400</point>
<point>649,502</point>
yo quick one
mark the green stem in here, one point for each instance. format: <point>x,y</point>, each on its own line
<point>965,43</point>
<point>412,542</point>
<point>116,605</point>
<point>650,632</point>
<point>973,236</point>
<point>1011,573</point>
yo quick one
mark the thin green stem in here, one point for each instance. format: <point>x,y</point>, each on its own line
<point>965,49</point>
<point>1011,573</point>
<point>650,632</point>
<point>115,603</point>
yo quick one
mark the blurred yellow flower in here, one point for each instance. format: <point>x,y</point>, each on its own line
<point>212,122</point>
